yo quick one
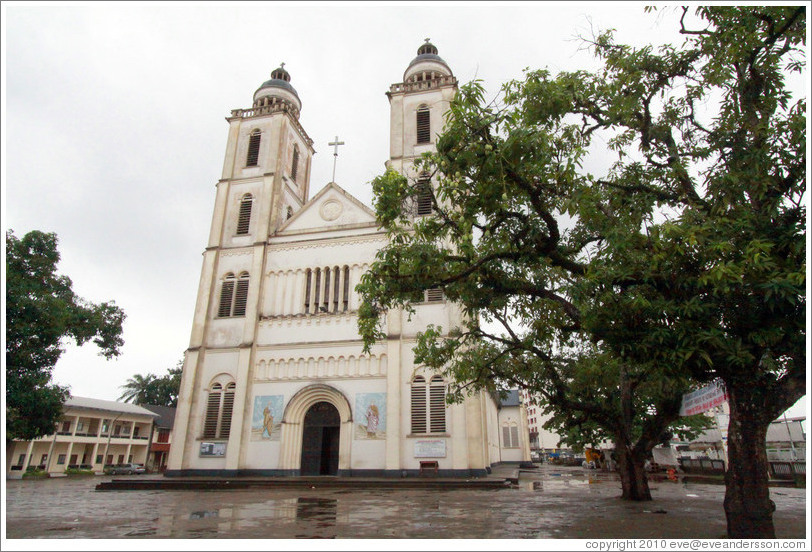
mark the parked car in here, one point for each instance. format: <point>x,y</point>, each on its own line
<point>126,469</point>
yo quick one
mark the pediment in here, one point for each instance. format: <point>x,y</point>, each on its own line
<point>333,208</point>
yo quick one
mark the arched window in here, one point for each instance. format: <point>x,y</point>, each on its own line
<point>219,408</point>
<point>419,405</point>
<point>423,125</point>
<point>437,405</point>
<point>252,158</point>
<point>233,296</point>
<point>428,405</point>
<point>289,211</point>
<point>244,218</point>
<point>294,169</point>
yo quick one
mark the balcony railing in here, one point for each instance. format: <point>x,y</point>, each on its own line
<point>422,85</point>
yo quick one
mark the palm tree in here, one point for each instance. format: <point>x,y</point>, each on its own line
<point>138,389</point>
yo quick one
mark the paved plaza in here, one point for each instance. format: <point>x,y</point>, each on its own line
<point>548,503</point>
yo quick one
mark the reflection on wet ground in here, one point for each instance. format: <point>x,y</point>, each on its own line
<point>548,503</point>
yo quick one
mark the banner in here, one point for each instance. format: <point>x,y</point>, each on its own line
<point>704,399</point>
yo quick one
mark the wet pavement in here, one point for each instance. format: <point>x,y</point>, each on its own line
<point>548,503</point>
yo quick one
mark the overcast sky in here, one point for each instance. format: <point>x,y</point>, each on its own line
<point>114,125</point>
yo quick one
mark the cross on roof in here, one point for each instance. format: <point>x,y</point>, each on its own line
<point>335,143</point>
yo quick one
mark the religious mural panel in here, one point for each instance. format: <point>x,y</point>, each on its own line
<point>266,423</point>
<point>370,413</point>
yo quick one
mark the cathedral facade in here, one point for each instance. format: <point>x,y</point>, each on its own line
<point>275,380</point>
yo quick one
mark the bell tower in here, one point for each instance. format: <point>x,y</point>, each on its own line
<point>417,108</point>
<point>265,180</point>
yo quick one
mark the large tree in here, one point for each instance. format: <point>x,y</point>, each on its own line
<point>152,389</point>
<point>42,314</point>
<point>685,260</point>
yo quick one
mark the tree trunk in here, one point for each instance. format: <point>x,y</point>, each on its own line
<point>632,469</point>
<point>747,503</point>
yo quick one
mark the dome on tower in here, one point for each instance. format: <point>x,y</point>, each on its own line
<point>278,88</point>
<point>427,64</point>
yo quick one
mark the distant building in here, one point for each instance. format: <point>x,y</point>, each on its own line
<point>515,442</point>
<point>542,441</point>
<point>786,439</point>
<point>161,436</point>
<point>90,434</point>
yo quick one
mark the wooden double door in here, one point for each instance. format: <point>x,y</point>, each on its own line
<point>320,440</point>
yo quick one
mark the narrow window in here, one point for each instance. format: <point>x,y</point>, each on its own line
<point>346,288</point>
<point>253,149</point>
<point>290,211</point>
<point>336,274</point>
<point>307,290</point>
<point>226,296</point>
<point>326,306</point>
<point>317,279</point>
<point>233,301</point>
<point>423,125</point>
<point>241,295</point>
<point>423,205</point>
<point>437,405</point>
<point>228,409</point>
<point>212,412</point>
<point>244,219</point>
<point>294,170</point>
<point>514,434</point>
<point>419,405</point>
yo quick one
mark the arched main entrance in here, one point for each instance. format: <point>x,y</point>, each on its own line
<point>320,440</point>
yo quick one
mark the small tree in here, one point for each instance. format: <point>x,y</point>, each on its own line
<point>42,312</point>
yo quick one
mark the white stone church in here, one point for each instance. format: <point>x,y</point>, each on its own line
<point>275,381</point>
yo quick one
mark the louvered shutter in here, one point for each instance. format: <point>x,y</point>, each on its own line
<point>253,149</point>
<point>241,296</point>
<point>434,294</point>
<point>423,126</point>
<point>244,219</point>
<point>423,198</point>
<point>514,436</point>
<point>228,409</point>
<point>212,412</point>
<point>226,296</point>
<point>419,405</point>
<point>294,170</point>
<point>437,405</point>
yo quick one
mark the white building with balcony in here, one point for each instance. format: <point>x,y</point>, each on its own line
<point>90,434</point>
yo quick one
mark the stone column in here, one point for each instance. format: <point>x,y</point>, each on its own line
<point>394,429</point>
<point>238,417</point>
<point>68,453</point>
